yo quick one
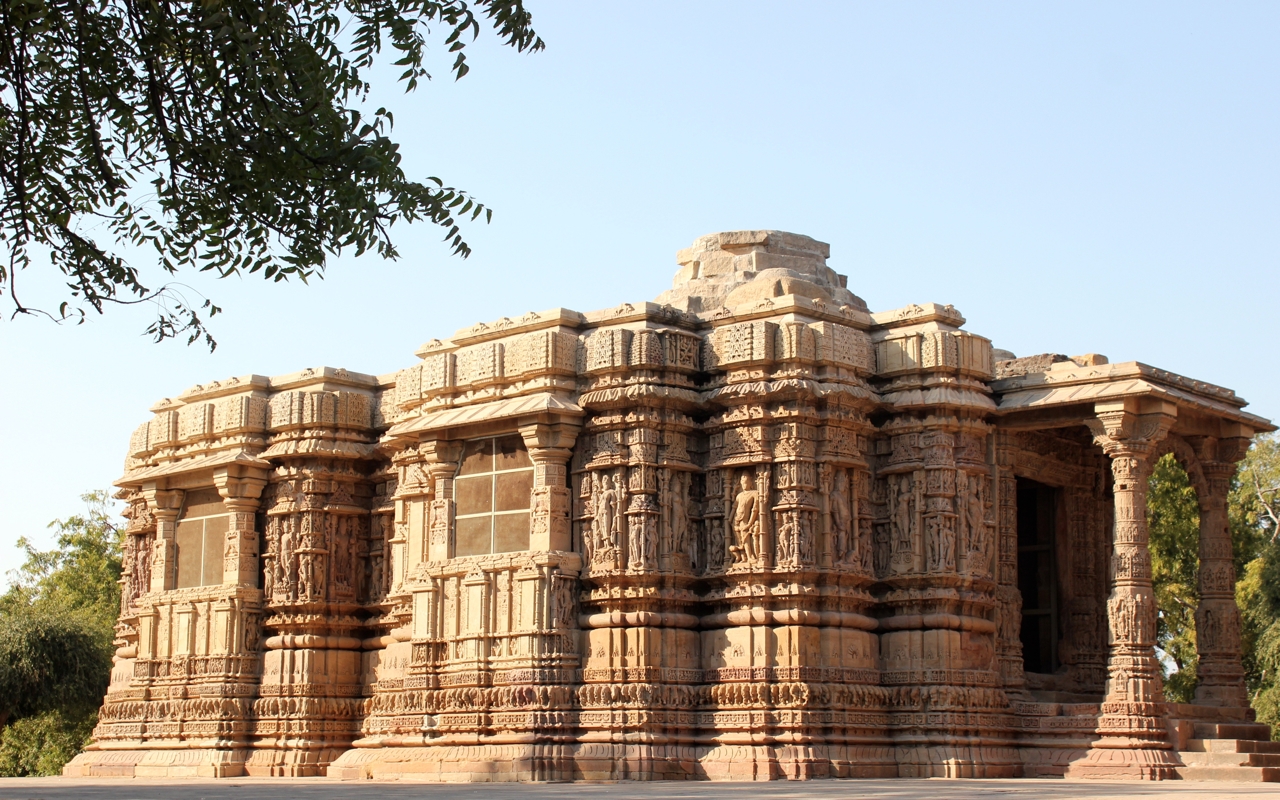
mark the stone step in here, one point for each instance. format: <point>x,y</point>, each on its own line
<point>1252,774</point>
<point>1231,746</point>
<point>1233,730</point>
<point>1194,759</point>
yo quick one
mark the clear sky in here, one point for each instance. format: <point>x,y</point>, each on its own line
<point>1073,177</point>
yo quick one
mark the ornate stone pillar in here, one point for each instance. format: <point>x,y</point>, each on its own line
<point>1008,598</point>
<point>166,506</point>
<point>642,509</point>
<point>241,490</point>
<point>1217,617</point>
<point>440,460</point>
<point>550,448</point>
<point>1133,739</point>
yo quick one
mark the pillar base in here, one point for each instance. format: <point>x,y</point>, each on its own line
<point>1126,760</point>
<point>1223,696</point>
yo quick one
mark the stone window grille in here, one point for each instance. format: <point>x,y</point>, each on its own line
<point>492,495</point>
<point>201,538</point>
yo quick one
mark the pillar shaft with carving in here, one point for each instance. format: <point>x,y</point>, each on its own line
<point>1133,732</point>
<point>550,448</point>
<point>1008,598</point>
<point>241,491</point>
<point>1220,669</point>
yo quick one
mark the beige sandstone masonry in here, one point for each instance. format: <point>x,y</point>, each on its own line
<point>752,531</point>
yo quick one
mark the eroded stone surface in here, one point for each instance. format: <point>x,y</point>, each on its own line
<point>749,532</point>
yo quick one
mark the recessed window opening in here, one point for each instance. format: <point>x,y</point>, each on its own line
<point>201,538</point>
<point>492,495</point>
<point>1038,575</point>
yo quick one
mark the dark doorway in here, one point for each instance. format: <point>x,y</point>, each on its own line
<point>1038,575</point>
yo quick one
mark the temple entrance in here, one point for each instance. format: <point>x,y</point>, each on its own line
<point>1038,574</point>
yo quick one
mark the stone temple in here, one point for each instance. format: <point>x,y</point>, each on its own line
<point>750,531</point>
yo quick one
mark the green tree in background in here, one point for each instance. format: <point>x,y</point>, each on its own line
<point>1173,516</point>
<point>1255,501</point>
<point>56,630</point>
<point>224,136</point>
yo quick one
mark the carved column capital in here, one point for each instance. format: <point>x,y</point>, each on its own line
<point>549,442</point>
<point>240,487</point>
<point>1129,428</point>
<point>165,504</point>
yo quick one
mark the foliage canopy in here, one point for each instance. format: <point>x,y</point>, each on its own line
<point>1173,514</point>
<point>226,135</point>
<point>56,630</point>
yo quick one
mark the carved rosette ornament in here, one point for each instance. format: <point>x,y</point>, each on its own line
<point>1133,733</point>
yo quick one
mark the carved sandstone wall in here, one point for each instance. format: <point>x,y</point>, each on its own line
<point>752,531</point>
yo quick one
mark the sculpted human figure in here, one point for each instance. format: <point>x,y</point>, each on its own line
<point>787,536</point>
<point>841,520</point>
<point>902,517</point>
<point>746,518</point>
<point>679,514</point>
<point>946,545</point>
<point>715,543</point>
<point>1206,632</point>
<point>975,514</point>
<point>287,573</point>
<point>804,541</point>
<point>376,578</point>
<point>606,521</point>
<point>317,577</point>
<point>883,544</point>
<point>932,546</point>
<point>269,579</point>
<point>616,519</point>
<point>649,540</point>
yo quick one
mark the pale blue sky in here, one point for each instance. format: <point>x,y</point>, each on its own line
<point>1073,177</point>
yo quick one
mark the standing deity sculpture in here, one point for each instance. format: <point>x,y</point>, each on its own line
<point>268,574</point>
<point>974,514</point>
<point>933,544</point>
<point>679,513</point>
<point>608,498</point>
<point>965,534</point>
<point>902,522</point>
<point>715,543</point>
<point>843,540</point>
<point>286,570</point>
<point>882,548</point>
<point>788,534</point>
<point>803,539</point>
<point>946,544</point>
<point>746,521</point>
<point>376,575</point>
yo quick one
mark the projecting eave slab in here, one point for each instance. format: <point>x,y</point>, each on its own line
<point>183,466</point>
<point>528,406</point>
<point>1049,396</point>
